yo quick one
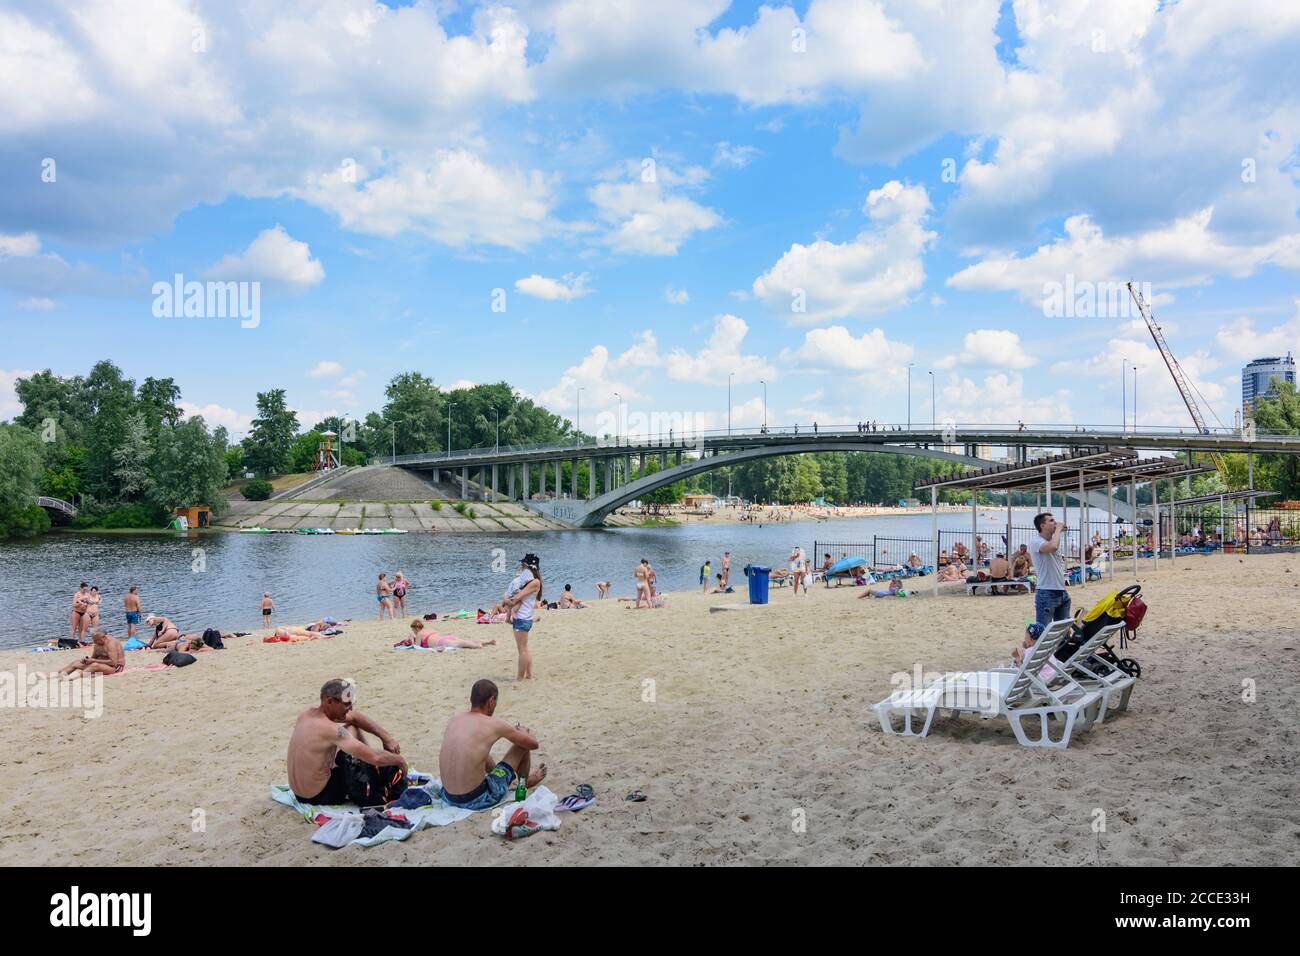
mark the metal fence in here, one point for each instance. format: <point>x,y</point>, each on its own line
<point>880,550</point>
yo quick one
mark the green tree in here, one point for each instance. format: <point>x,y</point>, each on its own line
<point>20,452</point>
<point>48,397</point>
<point>302,456</point>
<point>190,466</point>
<point>668,494</point>
<point>110,398</point>
<point>268,446</point>
<point>157,400</point>
<point>412,416</point>
<point>1279,413</point>
<point>133,460</point>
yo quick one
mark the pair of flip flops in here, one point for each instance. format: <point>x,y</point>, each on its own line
<point>636,796</point>
<point>574,802</point>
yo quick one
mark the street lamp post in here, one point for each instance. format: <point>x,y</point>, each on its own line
<point>498,414</point>
<point>618,418</point>
<point>730,375</point>
<point>578,423</point>
<point>1135,396</point>
<point>1123,391</point>
<point>764,384</point>
<point>909,395</point>
<point>933,411</point>
<point>450,406</point>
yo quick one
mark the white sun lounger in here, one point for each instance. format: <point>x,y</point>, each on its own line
<point>1015,695</point>
<point>1105,677</point>
<point>1074,673</point>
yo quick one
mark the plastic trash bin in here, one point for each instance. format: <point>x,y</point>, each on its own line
<point>758,584</point>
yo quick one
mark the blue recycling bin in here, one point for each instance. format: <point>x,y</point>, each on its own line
<point>758,584</point>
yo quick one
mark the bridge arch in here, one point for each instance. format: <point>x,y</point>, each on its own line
<point>591,513</point>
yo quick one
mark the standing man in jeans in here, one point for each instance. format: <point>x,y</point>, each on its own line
<point>1051,603</point>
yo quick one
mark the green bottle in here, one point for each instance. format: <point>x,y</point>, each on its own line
<point>521,791</point>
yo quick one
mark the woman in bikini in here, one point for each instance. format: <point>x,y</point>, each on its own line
<point>92,610</point>
<point>400,585</point>
<point>384,594</point>
<point>165,633</point>
<point>439,642</point>
<point>642,583</point>
<point>80,603</point>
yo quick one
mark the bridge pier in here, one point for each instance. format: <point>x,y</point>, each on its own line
<point>464,482</point>
<point>494,482</point>
<point>510,482</point>
<point>526,480</point>
<point>591,477</point>
<point>573,476</point>
<point>627,468</point>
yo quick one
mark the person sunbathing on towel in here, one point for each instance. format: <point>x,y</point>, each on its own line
<point>328,740</point>
<point>307,633</point>
<point>470,778</point>
<point>107,658</point>
<point>952,572</point>
<point>430,638</point>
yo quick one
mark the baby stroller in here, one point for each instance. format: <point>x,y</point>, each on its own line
<point>1127,606</point>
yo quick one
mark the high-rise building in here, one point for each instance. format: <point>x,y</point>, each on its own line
<point>1258,377</point>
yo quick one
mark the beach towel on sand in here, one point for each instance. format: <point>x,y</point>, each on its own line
<point>436,814</point>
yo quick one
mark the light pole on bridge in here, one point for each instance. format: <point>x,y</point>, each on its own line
<point>933,412</point>
<point>909,395</point>
<point>764,384</point>
<point>450,406</point>
<point>730,375</point>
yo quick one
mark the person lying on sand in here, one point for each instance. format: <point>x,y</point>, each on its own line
<point>894,587</point>
<point>107,658</point>
<point>952,572</point>
<point>430,638</point>
<point>164,631</point>
<point>328,738</point>
<point>470,778</point>
<point>291,630</point>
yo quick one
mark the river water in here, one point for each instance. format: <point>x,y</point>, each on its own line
<point>217,580</point>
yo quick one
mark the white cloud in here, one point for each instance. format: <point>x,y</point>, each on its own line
<point>274,257</point>
<point>218,415</point>
<point>456,198</point>
<point>9,404</point>
<point>38,302</point>
<point>719,356</point>
<point>1000,348</point>
<point>734,157</point>
<point>1000,399</point>
<point>325,369</point>
<point>837,348</point>
<point>676,296</point>
<point>651,218</point>
<point>21,245</point>
<point>554,290</point>
<point>1240,339</point>
<point>873,273</point>
<point>458,385</point>
<point>1186,252</point>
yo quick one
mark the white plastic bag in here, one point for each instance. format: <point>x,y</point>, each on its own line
<point>540,806</point>
<point>339,831</point>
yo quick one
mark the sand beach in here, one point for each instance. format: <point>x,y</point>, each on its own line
<point>738,727</point>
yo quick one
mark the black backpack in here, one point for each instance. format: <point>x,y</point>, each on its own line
<point>179,659</point>
<point>371,786</point>
<point>212,638</point>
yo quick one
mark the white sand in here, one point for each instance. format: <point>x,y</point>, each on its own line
<point>759,717</point>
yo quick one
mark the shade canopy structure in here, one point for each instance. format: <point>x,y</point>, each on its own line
<point>1225,496</point>
<point>1064,473</point>
<point>1075,473</point>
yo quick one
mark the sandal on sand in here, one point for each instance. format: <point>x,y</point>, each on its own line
<point>636,796</point>
<point>585,797</point>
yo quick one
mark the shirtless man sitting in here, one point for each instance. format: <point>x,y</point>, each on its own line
<point>470,778</point>
<point>326,738</point>
<point>998,571</point>
<point>107,658</point>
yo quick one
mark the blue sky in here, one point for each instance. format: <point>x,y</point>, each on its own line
<point>652,186</point>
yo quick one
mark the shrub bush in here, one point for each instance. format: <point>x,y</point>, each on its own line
<point>257,490</point>
<point>435,505</point>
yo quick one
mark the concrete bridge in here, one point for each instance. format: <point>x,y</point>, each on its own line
<point>612,481</point>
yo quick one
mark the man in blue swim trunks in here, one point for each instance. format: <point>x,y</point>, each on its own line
<point>470,777</point>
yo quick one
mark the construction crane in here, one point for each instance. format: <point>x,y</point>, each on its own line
<point>1185,387</point>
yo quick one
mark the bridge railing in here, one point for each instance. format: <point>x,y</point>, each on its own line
<point>944,433</point>
<point>58,504</point>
